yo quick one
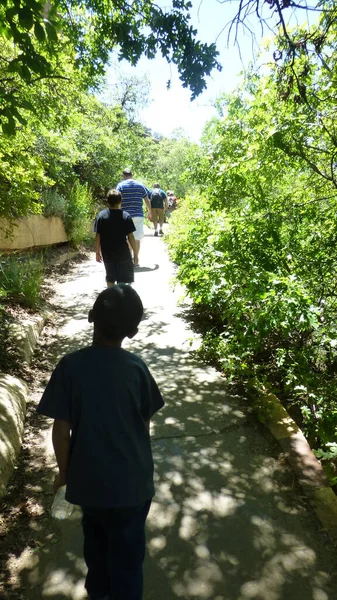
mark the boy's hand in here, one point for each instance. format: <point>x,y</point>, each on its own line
<point>98,257</point>
<point>59,481</point>
<point>135,259</point>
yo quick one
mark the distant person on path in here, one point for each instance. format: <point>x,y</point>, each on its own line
<point>113,227</point>
<point>102,399</point>
<point>158,207</point>
<point>171,203</point>
<point>134,194</point>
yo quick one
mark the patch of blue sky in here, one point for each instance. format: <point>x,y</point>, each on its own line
<point>172,109</point>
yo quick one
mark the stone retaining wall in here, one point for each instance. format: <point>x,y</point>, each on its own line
<point>13,397</point>
<point>13,394</point>
<point>32,231</point>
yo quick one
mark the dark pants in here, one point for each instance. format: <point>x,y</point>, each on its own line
<point>114,551</point>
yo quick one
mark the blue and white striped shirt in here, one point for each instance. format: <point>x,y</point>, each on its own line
<point>133,194</point>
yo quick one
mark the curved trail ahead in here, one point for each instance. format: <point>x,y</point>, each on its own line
<point>228,521</point>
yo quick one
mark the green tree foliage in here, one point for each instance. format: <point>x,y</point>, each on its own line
<point>79,212</point>
<point>172,157</point>
<point>256,248</point>
<point>79,138</point>
<point>88,31</point>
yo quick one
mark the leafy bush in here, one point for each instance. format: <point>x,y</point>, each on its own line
<point>53,203</point>
<point>21,279</point>
<point>255,284</point>
<point>78,212</point>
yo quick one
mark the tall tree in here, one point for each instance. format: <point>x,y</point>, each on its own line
<point>88,30</point>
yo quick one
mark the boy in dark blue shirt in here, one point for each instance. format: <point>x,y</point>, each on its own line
<point>102,399</point>
<point>114,236</point>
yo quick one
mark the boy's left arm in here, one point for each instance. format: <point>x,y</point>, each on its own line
<point>61,442</point>
<point>133,245</point>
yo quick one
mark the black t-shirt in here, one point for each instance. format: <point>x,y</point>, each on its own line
<point>107,394</point>
<point>158,198</point>
<point>113,225</point>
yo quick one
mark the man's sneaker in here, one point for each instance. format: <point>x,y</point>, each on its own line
<point>156,233</point>
<point>161,232</point>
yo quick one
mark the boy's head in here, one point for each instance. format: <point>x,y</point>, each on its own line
<point>113,198</point>
<point>116,313</point>
<point>127,173</point>
<point>156,185</point>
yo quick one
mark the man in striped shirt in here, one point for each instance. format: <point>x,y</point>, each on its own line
<point>133,194</point>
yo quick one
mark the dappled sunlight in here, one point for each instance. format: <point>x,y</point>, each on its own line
<point>228,520</point>
<point>224,523</point>
<point>59,581</point>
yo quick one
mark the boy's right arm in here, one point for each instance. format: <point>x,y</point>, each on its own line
<point>61,443</point>
<point>98,248</point>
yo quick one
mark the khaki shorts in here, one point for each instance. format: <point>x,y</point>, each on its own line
<point>139,225</point>
<point>157,216</point>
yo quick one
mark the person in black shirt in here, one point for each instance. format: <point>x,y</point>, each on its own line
<point>113,228</point>
<point>102,399</point>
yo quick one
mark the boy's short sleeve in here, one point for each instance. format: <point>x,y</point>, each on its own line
<point>97,225</point>
<point>56,399</point>
<point>152,400</point>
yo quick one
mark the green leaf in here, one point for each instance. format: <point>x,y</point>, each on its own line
<point>10,14</point>
<point>26,74</point>
<point>27,105</point>
<point>15,66</point>
<point>39,32</point>
<point>21,119</point>
<point>9,127</point>
<point>51,31</point>
<point>26,18</point>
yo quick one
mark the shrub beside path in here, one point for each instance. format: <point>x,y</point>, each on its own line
<point>229,521</point>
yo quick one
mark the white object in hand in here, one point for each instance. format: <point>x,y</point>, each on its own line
<point>61,508</point>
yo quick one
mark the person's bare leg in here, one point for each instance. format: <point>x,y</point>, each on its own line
<point>161,221</point>
<point>155,220</point>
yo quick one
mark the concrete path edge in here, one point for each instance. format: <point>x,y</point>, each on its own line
<point>306,466</point>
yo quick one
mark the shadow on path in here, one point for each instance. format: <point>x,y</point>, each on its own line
<point>228,521</point>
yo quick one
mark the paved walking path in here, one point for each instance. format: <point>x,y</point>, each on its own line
<point>228,521</point>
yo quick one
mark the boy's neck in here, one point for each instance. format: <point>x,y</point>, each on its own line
<point>116,207</point>
<point>98,340</point>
